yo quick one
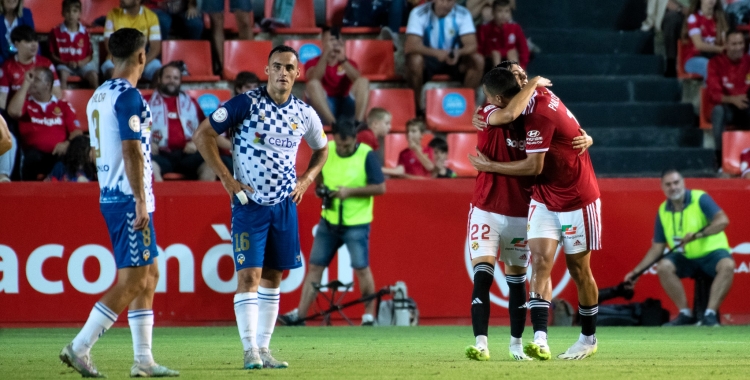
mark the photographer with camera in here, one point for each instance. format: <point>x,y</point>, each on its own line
<point>347,184</point>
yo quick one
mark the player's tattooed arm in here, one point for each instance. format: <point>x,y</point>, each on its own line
<point>317,161</point>
<point>582,142</point>
<point>530,166</point>
<point>519,102</point>
<point>133,158</point>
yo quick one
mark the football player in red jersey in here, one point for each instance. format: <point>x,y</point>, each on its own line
<point>564,205</point>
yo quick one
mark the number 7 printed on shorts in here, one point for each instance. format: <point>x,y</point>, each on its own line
<point>532,208</point>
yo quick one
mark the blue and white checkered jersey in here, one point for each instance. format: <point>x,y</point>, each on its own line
<point>265,138</point>
<point>118,112</point>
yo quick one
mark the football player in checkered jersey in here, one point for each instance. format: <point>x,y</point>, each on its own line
<point>266,126</point>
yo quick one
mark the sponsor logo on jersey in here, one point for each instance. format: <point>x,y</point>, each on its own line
<point>282,143</point>
<point>241,258</point>
<point>474,245</point>
<point>523,257</point>
<point>532,133</point>
<point>489,107</point>
<point>220,115</point>
<point>577,243</point>
<point>521,145</point>
<point>519,242</point>
<point>260,138</point>
<point>47,121</point>
<point>568,229</point>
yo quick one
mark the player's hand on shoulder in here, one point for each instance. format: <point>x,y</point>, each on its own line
<point>482,116</point>
<point>541,82</point>
<point>582,142</point>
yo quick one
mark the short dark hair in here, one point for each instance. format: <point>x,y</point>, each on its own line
<point>508,64</point>
<point>174,64</point>
<point>499,81</point>
<point>71,3</point>
<point>245,77</point>
<point>23,33</point>
<point>736,31</point>
<point>439,144</point>
<point>500,3</point>
<point>283,49</point>
<point>669,171</point>
<point>125,42</point>
<point>345,128</point>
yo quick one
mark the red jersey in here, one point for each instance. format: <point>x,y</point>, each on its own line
<point>412,166</point>
<point>698,24</point>
<point>177,138</point>
<point>12,72</point>
<point>44,125</point>
<point>567,181</point>
<point>334,81</point>
<point>502,38</point>
<point>366,136</point>
<point>727,78</point>
<point>500,194</point>
<point>70,45</point>
<point>745,161</point>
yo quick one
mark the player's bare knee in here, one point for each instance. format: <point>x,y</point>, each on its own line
<point>271,278</point>
<point>247,279</point>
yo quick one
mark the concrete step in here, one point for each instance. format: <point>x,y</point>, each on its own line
<point>590,41</point>
<point>651,161</point>
<point>596,64</point>
<point>616,88</point>
<point>632,114</point>
<point>646,137</point>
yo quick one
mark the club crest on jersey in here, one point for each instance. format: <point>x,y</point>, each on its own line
<point>241,259</point>
<point>294,126</point>
<point>57,111</point>
<point>260,138</point>
<point>220,115</point>
<point>474,245</point>
<point>146,255</point>
<point>135,123</point>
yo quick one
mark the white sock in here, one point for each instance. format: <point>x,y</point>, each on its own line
<point>710,312</point>
<point>268,310</point>
<point>515,341</point>
<point>246,312</point>
<point>141,328</point>
<point>100,320</point>
<point>367,318</point>
<point>540,336</point>
<point>687,312</point>
<point>587,339</point>
<point>481,341</point>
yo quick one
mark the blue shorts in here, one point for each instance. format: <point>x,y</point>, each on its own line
<point>132,248</point>
<point>342,106</point>
<point>330,237</point>
<point>217,6</point>
<point>265,236</point>
<point>685,267</point>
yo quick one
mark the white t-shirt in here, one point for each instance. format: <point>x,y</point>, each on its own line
<point>440,33</point>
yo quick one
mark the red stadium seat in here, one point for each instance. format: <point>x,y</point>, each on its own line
<point>733,143</point>
<point>146,93</point>
<point>79,99</point>
<point>47,14</point>
<point>460,145</point>
<point>335,12</point>
<point>209,99</point>
<point>307,50</point>
<point>197,56</point>
<point>681,74</point>
<point>374,58</point>
<point>395,143</point>
<point>303,18</point>
<point>93,9</point>
<point>450,109</point>
<point>246,56</point>
<point>398,101</point>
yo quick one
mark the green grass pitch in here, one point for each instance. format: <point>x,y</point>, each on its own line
<point>393,353</point>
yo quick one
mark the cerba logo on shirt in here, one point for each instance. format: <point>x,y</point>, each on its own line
<point>262,138</point>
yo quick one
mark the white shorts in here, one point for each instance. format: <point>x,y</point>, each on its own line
<point>488,232</point>
<point>578,230</point>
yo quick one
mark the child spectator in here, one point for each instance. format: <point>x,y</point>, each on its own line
<point>705,30</point>
<point>440,147</point>
<point>70,47</point>
<point>416,160</point>
<point>14,15</point>
<point>77,166</point>
<point>377,127</point>
<point>502,39</point>
<point>245,81</point>
<point>14,70</point>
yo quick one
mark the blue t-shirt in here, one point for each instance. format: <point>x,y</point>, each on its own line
<point>373,169</point>
<point>706,203</point>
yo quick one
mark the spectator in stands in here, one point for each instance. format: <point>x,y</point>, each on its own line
<point>481,10</point>
<point>334,86</point>
<point>693,219</point>
<point>13,70</point>
<point>376,128</point>
<point>440,148</point>
<point>8,147</point>
<point>415,161</point>
<point>182,14</point>
<point>78,165</point>
<point>671,26</point>
<point>70,47</point>
<point>132,14</point>
<point>387,15</point>
<point>727,88</point>
<point>244,82</point>
<point>175,116</point>
<point>14,15</point>
<point>46,124</point>
<point>705,30</point>
<point>352,176</point>
<point>744,164</point>
<point>215,10</point>
<point>441,39</point>
<point>502,39</point>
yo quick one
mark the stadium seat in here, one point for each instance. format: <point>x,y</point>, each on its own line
<point>303,18</point>
<point>307,50</point>
<point>209,99</point>
<point>47,14</point>
<point>398,101</point>
<point>460,145</point>
<point>395,143</point>
<point>93,9</point>
<point>146,93</point>
<point>733,143</point>
<point>195,54</point>
<point>79,99</point>
<point>374,58</point>
<point>246,56</point>
<point>681,74</point>
<point>450,109</point>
